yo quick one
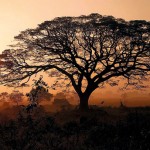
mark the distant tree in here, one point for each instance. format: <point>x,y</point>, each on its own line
<point>4,96</point>
<point>16,97</point>
<point>39,92</point>
<point>89,51</point>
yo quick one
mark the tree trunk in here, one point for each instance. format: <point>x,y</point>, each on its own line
<point>83,106</point>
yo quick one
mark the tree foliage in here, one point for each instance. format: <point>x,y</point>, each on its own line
<point>14,97</point>
<point>4,96</point>
<point>87,50</point>
<point>39,92</point>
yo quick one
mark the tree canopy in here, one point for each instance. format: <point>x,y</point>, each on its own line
<point>87,50</point>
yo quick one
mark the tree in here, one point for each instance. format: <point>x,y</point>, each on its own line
<point>39,92</point>
<point>86,50</point>
<point>16,97</point>
<point>4,96</point>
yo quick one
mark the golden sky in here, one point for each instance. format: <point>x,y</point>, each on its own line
<point>18,15</point>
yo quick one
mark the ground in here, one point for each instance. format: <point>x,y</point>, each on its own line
<point>99,128</point>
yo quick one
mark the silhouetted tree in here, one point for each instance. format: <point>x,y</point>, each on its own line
<point>16,97</point>
<point>86,50</point>
<point>4,96</point>
<point>39,92</point>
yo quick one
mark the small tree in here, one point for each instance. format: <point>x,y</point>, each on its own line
<point>89,51</point>
<point>4,96</point>
<point>16,97</point>
<point>39,92</point>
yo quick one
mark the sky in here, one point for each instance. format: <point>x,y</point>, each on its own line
<point>18,15</point>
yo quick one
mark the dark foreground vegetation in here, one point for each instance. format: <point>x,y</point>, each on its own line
<point>98,129</point>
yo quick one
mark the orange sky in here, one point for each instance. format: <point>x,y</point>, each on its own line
<point>18,15</point>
